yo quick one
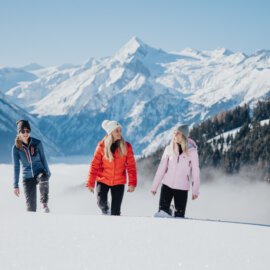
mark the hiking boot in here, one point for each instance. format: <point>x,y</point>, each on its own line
<point>45,208</point>
<point>162,214</point>
<point>106,212</point>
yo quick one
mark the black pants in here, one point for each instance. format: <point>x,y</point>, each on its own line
<point>30,191</point>
<point>117,193</point>
<point>180,200</point>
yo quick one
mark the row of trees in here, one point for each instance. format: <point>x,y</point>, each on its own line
<point>222,122</point>
<point>247,149</point>
<point>262,110</point>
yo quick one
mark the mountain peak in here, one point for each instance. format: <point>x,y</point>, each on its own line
<point>190,51</point>
<point>32,67</point>
<point>262,51</point>
<point>222,51</point>
<point>89,63</point>
<point>135,40</point>
<point>134,45</point>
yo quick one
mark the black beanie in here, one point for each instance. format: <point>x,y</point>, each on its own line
<point>22,124</point>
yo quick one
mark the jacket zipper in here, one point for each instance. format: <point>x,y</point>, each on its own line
<point>175,171</point>
<point>114,155</point>
<point>30,159</point>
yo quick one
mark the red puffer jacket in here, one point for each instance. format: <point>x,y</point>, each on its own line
<point>114,172</point>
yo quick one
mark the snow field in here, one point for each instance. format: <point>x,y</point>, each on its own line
<point>75,236</point>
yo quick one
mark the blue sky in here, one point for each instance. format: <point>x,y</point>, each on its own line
<point>57,32</point>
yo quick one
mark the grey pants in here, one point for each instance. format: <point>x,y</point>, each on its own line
<point>30,191</point>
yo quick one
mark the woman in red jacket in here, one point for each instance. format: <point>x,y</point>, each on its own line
<point>112,157</point>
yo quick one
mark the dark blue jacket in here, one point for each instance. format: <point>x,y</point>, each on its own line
<point>32,159</point>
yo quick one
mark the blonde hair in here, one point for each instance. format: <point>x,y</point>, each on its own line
<point>107,147</point>
<point>184,145</point>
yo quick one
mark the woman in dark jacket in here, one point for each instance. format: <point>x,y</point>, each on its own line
<point>29,152</point>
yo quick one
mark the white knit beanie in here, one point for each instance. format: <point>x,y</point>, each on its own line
<point>110,126</point>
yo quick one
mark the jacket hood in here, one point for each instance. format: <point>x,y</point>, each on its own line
<point>191,144</point>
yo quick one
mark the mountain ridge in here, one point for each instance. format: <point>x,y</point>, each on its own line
<point>148,90</point>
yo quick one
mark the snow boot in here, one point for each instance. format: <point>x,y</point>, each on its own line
<point>106,212</point>
<point>45,208</point>
<point>162,214</point>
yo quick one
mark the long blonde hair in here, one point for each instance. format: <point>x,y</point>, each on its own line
<point>107,147</point>
<point>184,145</point>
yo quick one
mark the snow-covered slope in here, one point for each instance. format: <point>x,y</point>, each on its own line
<point>9,115</point>
<point>76,236</point>
<point>30,242</point>
<point>148,90</point>
<point>233,132</point>
<point>11,77</point>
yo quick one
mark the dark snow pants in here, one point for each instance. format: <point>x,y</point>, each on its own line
<point>180,200</point>
<point>117,193</point>
<point>30,191</point>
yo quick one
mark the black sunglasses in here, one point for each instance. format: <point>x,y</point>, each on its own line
<point>25,131</point>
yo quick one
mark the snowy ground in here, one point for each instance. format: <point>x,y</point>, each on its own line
<point>74,236</point>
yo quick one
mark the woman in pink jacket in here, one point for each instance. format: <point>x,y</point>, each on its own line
<point>179,160</point>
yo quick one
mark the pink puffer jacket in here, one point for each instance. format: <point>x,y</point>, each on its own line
<point>175,169</point>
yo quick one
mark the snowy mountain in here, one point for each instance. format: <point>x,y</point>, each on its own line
<point>11,77</point>
<point>31,67</point>
<point>233,133</point>
<point>9,114</point>
<point>147,90</point>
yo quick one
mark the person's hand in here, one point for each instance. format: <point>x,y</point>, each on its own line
<point>91,189</point>
<point>153,192</point>
<point>17,192</point>
<point>131,188</point>
<point>194,197</point>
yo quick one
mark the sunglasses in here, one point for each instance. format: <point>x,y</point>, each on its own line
<point>25,131</point>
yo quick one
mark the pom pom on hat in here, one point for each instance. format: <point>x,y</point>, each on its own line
<point>110,126</point>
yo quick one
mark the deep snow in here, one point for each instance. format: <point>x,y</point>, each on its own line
<point>75,236</point>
